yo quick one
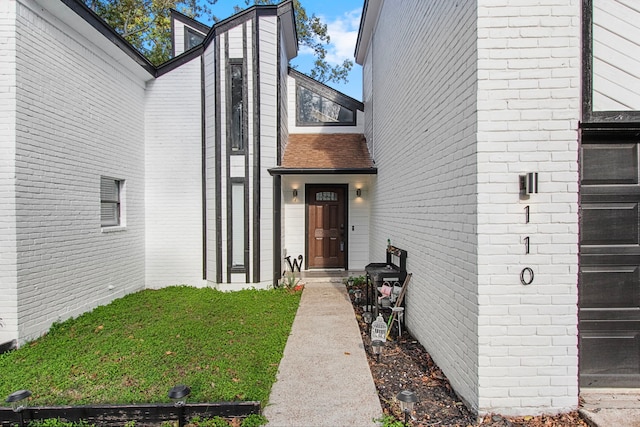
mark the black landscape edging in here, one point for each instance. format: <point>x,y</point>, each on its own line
<point>117,415</point>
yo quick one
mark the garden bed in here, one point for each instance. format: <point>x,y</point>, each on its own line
<point>405,364</point>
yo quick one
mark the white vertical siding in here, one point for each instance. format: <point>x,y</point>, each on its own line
<point>528,111</point>
<point>178,37</point>
<point>285,84</point>
<point>8,260</point>
<point>616,55</point>
<point>79,116</point>
<point>209,66</point>
<point>173,169</point>
<point>268,86</point>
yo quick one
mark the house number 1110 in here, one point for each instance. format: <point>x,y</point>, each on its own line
<point>526,275</point>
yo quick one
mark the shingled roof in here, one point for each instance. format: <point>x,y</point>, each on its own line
<point>327,151</point>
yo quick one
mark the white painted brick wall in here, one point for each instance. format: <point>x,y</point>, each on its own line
<point>421,63</point>
<point>79,116</point>
<point>8,261</point>
<point>447,189</point>
<point>528,111</point>
<point>173,178</point>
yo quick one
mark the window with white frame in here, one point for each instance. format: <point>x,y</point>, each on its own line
<point>110,201</point>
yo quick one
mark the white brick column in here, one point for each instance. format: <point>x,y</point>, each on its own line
<point>528,110</point>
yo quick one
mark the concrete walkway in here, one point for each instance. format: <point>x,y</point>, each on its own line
<point>324,377</point>
<point>611,407</point>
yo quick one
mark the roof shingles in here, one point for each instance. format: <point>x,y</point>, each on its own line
<point>327,151</point>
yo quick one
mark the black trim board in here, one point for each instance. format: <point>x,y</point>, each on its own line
<point>296,171</point>
<point>218,155</point>
<point>203,165</point>
<point>277,229</point>
<point>257,194</point>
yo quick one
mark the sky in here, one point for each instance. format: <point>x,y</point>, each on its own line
<point>343,19</point>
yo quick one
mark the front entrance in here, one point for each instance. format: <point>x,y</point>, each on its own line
<point>609,319</point>
<point>326,226</point>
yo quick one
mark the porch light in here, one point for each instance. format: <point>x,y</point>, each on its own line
<point>359,192</point>
<point>295,194</point>
<point>407,399</point>
<point>376,348</point>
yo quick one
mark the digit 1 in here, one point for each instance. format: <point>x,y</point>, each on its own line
<point>526,244</point>
<point>526,214</point>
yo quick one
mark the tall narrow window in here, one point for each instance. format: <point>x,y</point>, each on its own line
<point>238,238</point>
<point>237,108</point>
<point>110,202</point>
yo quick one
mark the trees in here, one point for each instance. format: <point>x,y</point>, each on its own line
<point>146,24</point>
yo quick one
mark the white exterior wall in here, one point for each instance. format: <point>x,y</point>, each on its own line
<point>173,185</point>
<point>528,110</point>
<point>294,221</point>
<point>268,86</point>
<point>421,99</point>
<point>209,70</point>
<point>8,261</point>
<point>482,92</point>
<point>79,116</point>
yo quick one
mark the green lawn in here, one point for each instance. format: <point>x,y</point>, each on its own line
<point>225,346</point>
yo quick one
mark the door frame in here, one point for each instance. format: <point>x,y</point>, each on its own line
<point>345,191</point>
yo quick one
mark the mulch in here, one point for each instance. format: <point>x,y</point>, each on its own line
<point>406,365</point>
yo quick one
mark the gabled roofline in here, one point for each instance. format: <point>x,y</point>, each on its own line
<point>368,20</point>
<point>199,26</point>
<point>327,91</point>
<point>103,28</point>
<point>89,16</point>
<point>259,10</point>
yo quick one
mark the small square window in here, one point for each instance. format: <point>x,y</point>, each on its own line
<point>110,201</point>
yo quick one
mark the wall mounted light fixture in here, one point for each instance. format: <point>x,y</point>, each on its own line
<point>359,192</point>
<point>295,193</point>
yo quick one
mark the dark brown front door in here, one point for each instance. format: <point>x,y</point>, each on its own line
<point>326,226</point>
<point>610,261</point>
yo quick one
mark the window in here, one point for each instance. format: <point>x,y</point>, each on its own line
<point>110,201</point>
<point>238,238</point>
<point>237,109</point>
<point>314,109</point>
<point>326,196</point>
<point>192,38</point>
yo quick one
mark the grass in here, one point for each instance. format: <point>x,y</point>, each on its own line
<point>225,346</point>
